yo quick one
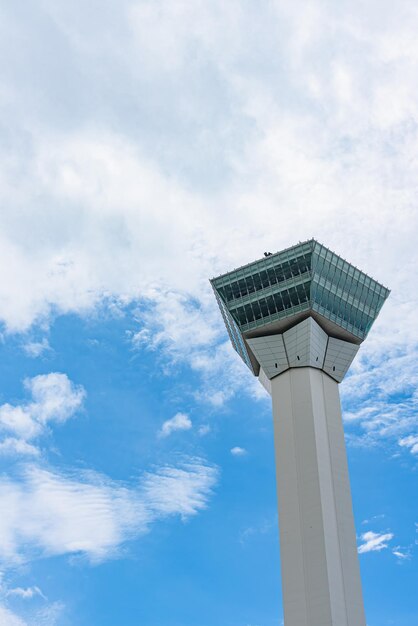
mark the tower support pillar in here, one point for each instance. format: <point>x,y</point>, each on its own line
<point>320,568</point>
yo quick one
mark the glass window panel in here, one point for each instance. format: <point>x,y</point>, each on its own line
<point>257,282</point>
<point>278,302</point>
<point>264,308</point>
<point>287,271</point>
<point>338,276</point>
<point>324,298</point>
<point>301,293</point>
<point>228,293</point>
<point>279,273</point>
<point>348,284</point>
<point>243,287</point>
<point>272,276</point>
<point>293,296</point>
<point>250,284</point>
<point>306,263</point>
<point>240,313</point>
<point>294,267</point>
<point>369,297</point>
<point>249,313</point>
<point>221,291</point>
<point>264,279</point>
<point>286,299</point>
<point>256,310</point>
<point>235,291</point>
<point>271,305</point>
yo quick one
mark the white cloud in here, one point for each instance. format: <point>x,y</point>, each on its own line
<point>18,420</point>
<point>180,421</point>
<point>8,618</point>
<point>177,324</point>
<point>13,446</point>
<point>401,554</point>
<point>382,408</point>
<point>374,542</point>
<point>181,331</point>
<point>25,593</point>
<point>36,348</point>
<point>237,451</point>
<point>204,430</point>
<point>410,442</point>
<point>49,513</point>
<point>54,399</point>
<point>182,491</point>
<point>47,616</point>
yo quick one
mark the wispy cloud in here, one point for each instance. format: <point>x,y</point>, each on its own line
<point>18,447</point>
<point>374,518</point>
<point>52,513</point>
<point>204,430</point>
<point>401,554</point>
<point>180,491</point>
<point>25,593</point>
<point>261,528</point>
<point>381,400</point>
<point>183,331</point>
<point>46,616</point>
<point>180,421</point>
<point>34,349</point>
<point>410,442</point>
<point>374,542</point>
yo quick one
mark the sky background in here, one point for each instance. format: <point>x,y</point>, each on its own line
<point>146,146</point>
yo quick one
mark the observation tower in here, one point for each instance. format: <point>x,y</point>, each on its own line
<point>297,319</point>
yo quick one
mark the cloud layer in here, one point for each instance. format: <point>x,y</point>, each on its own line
<point>237,167</point>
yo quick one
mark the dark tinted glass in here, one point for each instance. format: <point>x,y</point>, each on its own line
<point>266,278</point>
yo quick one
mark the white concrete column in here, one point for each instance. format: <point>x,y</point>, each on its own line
<point>320,569</point>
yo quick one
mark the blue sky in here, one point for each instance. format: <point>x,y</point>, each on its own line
<point>146,146</point>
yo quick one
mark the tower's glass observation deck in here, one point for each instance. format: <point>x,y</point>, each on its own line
<point>270,296</point>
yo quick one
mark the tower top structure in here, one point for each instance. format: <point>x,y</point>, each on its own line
<point>297,319</point>
<point>308,290</point>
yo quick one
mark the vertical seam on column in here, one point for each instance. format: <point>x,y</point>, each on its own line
<point>335,504</point>
<point>287,357</point>
<point>298,496</point>
<point>325,353</point>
